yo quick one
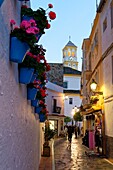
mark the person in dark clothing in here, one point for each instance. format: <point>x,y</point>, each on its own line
<point>70,131</point>
<point>78,130</point>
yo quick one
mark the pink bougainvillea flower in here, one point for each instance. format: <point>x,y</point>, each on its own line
<point>52,15</point>
<point>25,24</point>
<point>12,22</point>
<point>30,30</point>
<point>36,30</point>
<point>32,22</point>
<point>50,5</point>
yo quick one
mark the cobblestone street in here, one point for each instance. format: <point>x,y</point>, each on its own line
<point>74,157</point>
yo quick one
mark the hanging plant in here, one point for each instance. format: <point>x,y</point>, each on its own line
<point>40,16</point>
<point>26,32</point>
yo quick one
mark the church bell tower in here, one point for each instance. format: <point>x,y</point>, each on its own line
<point>70,55</point>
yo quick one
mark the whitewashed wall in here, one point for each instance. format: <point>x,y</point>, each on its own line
<point>19,129</point>
<point>107,35</point>
<point>73,82</point>
<point>54,91</point>
<point>68,109</point>
<point>107,40</point>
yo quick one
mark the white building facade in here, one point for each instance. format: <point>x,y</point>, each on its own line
<point>71,79</point>
<point>106,21</point>
<point>55,106</point>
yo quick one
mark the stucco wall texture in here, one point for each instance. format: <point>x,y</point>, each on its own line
<point>19,128</point>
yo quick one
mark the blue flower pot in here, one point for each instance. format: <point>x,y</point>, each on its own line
<point>1,1</point>
<point>38,109</point>
<point>31,93</point>
<point>35,103</point>
<point>25,75</point>
<point>18,50</point>
<point>23,0</point>
<point>38,36</point>
<point>42,117</point>
<point>33,78</point>
<point>27,18</point>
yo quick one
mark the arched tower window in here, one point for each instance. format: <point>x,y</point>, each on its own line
<point>73,53</point>
<point>69,52</point>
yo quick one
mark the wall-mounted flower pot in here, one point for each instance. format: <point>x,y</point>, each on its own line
<point>1,1</point>
<point>38,109</point>
<point>42,117</point>
<point>23,0</point>
<point>33,78</point>
<point>18,50</point>
<point>27,18</point>
<point>25,75</point>
<point>35,103</point>
<point>31,93</point>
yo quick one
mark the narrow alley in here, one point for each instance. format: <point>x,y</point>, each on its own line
<point>74,158</point>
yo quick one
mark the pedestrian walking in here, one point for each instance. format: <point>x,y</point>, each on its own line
<point>81,131</point>
<point>78,130</point>
<point>70,131</point>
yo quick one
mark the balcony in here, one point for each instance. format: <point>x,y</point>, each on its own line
<point>57,110</point>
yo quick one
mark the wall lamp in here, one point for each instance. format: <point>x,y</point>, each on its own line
<point>93,87</point>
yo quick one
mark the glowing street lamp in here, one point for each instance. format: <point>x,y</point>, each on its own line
<point>93,87</point>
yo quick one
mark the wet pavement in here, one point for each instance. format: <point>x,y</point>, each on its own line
<point>74,158</point>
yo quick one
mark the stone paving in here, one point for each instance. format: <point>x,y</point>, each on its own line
<point>74,158</point>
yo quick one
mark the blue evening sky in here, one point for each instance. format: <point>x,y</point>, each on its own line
<point>74,18</point>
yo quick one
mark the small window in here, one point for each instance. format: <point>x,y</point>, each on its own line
<point>54,105</point>
<point>105,24</point>
<point>70,101</point>
<point>65,84</point>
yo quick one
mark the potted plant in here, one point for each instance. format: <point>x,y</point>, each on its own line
<point>48,135</point>
<point>21,39</point>
<point>32,66</point>
<point>39,16</point>
<point>35,91</point>
<point>32,90</point>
